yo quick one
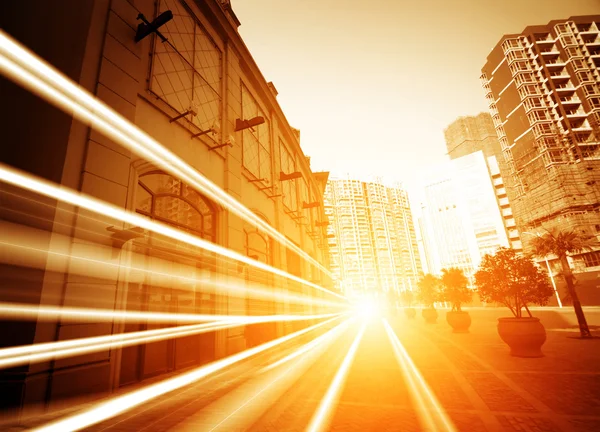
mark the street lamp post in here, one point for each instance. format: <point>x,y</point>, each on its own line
<point>549,271</point>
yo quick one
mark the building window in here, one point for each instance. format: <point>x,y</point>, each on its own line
<point>168,200</point>
<point>256,141</point>
<point>591,259</point>
<point>288,166</point>
<point>258,245</point>
<point>186,70</point>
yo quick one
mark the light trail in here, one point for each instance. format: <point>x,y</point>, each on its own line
<point>431,414</point>
<point>18,356</point>
<point>43,312</point>
<point>36,353</point>
<point>115,406</point>
<point>322,417</point>
<point>31,72</point>
<point>17,235</point>
<point>309,346</point>
<point>321,342</point>
<point>43,187</point>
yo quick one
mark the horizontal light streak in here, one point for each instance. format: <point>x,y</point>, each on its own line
<point>419,390</point>
<point>115,406</point>
<point>321,419</point>
<point>36,353</point>
<point>43,187</point>
<point>36,75</point>
<point>42,312</point>
<point>15,236</point>
<point>17,356</point>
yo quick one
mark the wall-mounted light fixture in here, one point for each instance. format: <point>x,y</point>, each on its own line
<point>146,28</point>
<point>246,124</point>
<point>291,176</point>
<point>313,204</point>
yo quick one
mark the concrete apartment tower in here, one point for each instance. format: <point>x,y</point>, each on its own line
<point>372,237</point>
<point>543,90</point>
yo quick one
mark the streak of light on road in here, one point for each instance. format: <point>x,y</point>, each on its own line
<point>431,414</point>
<point>31,72</point>
<point>26,311</point>
<point>309,346</point>
<point>239,406</point>
<point>115,406</point>
<point>322,417</point>
<point>46,188</point>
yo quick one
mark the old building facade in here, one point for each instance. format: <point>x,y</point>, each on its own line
<point>190,93</point>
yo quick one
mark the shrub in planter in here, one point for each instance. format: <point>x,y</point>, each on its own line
<point>515,281</point>
<point>455,290</point>
<point>428,294</point>
<point>407,298</point>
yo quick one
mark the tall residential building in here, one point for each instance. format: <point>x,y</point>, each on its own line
<point>471,134</point>
<point>372,237</point>
<point>464,214</point>
<point>543,89</point>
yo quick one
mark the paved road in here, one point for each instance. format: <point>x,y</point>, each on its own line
<point>466,380</point>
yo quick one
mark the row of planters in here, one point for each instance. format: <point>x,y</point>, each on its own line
<point>512,280</point>
<point>451,288</point>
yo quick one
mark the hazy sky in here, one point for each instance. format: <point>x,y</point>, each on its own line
<point>372,84</point>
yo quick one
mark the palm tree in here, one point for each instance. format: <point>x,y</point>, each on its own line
<point>560,243</point>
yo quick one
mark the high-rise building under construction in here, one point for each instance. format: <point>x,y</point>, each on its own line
<point>543,90</point>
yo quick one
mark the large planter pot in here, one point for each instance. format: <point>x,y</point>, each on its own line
<point>524,336</point>
<point>459,321</point>
<point>410,313</point>
<point>430,315</point>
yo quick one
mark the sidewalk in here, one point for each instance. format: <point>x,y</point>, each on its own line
<point>479,383</point>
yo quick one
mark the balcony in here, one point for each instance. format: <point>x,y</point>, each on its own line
<point>564,89</point>
<point>577,114</point>
<point>555,63</point>
<point>559,76</point>
<point>551,54</point>
<point>579,124</point>
<point>570,101</point>
<point>545,39</point>
<point>591,31</point>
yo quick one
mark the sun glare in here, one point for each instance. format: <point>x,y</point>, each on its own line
<point>368,308</point>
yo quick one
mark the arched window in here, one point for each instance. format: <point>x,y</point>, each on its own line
<point>257,244</point>
<point>169,200</point>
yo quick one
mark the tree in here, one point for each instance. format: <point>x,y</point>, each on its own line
<point>429,290</point>
<point>561,243</point>
<point>455,287</point>
<point>512,280</point>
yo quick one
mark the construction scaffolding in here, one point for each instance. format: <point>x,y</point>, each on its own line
<point>555,164</point>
